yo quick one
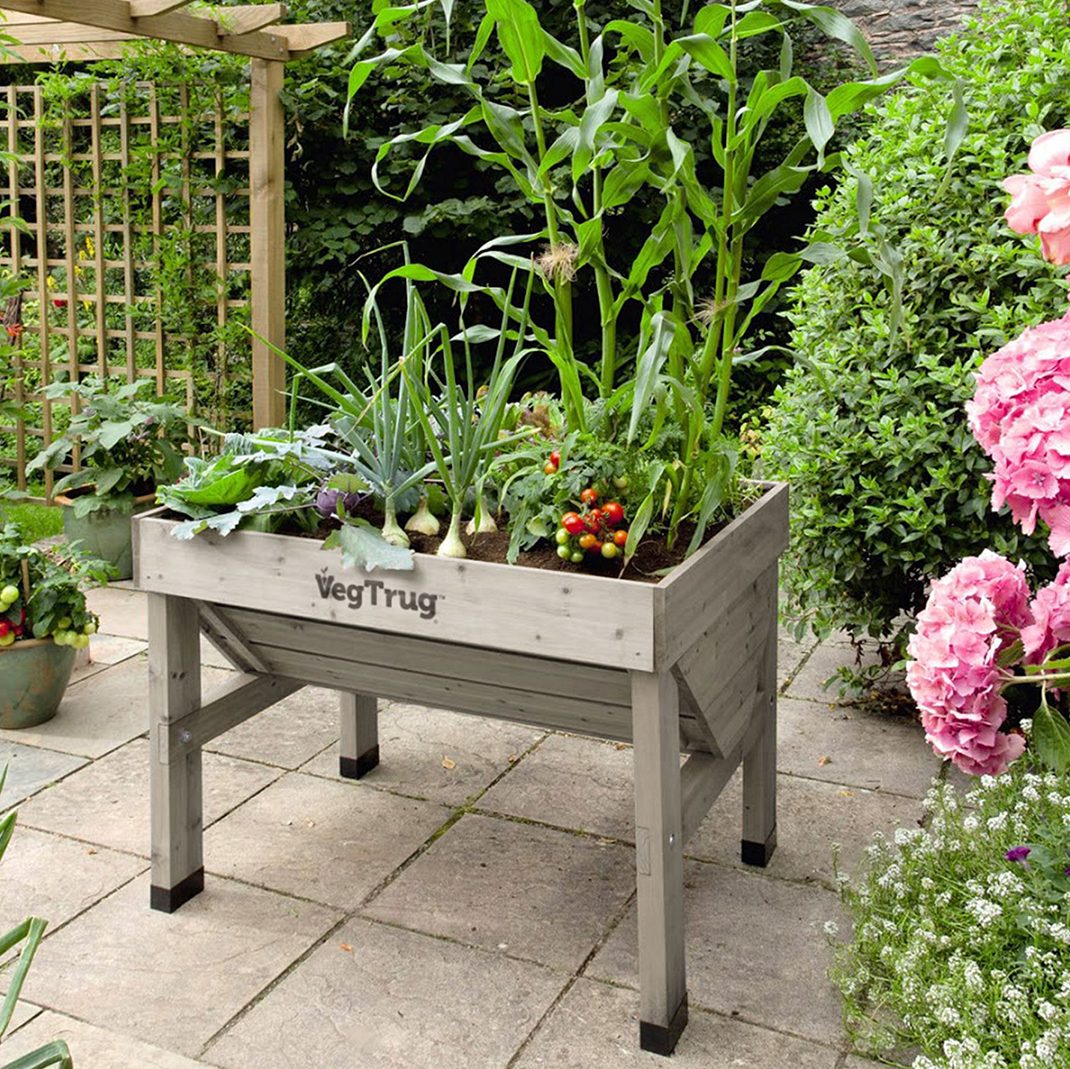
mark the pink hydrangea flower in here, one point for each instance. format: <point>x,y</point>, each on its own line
<point>1051,618</point>
<point>1040,202</point>
<point>1020,415</point>
<point>974,613</point>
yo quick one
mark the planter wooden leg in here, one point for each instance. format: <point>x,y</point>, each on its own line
<point>359,750</point>
<point>759,765</point>
<point>175,777</point>
<point>659,861</point>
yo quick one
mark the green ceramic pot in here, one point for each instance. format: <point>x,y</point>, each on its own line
<point>104,533</point>
<point>33,677</point>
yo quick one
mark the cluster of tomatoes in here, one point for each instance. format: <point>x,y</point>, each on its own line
<point>551,466</point>
<point>597,531</point>
<point>9,630</point>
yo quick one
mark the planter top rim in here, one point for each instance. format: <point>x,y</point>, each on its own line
<point>770,488</point>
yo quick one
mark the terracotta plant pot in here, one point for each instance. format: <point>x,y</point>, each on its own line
<point>33,678</point>
<point>104,533</point>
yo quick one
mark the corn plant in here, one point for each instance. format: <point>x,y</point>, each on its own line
<point>28,935</point>
<point>582,164</point>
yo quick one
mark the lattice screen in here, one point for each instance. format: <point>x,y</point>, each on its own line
<point>136,249</point>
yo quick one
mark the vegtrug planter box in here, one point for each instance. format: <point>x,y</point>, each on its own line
<point>687,665</point>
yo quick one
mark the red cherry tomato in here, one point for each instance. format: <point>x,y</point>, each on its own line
<point>620,538</point>
<point>573,523</point>
<point>589,496</point>
<point>555,459</point>
<point>595,547</point>
<point>593,519</point>
<point>613,512</point>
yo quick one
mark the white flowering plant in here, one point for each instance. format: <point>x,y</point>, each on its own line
<point>959,956</point>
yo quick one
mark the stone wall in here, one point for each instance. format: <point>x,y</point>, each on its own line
<point>900,28</point>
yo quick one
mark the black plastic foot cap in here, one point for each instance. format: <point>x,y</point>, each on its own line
<point>759,854</point>
<point>168,899</point>
<point>356,767</point>
<point>657,1039</point>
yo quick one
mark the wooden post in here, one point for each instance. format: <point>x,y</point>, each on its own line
<point>659,860</point>
<point>175,778</point>
<point>359,750</point>
<point>759,763</point>
<point>267,218</point>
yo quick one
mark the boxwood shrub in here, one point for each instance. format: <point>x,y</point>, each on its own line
<point>887,484</point>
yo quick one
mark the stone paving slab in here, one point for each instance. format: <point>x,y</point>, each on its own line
<point>45,876</point>
<point>429,753</point>
<point>572,782</point>
<point>101,712</point>
<point>331,842</point>
<point>811,818</point>
<point>106,649</point>
<point>854,1062</point>
<point>93,1047</point>
<point>29,768</point>
<point>122,611</point>
<point>846,745</point>
<point>108,802</point>
<point>375,997</point>
<point>820,667</point>
<point>173,979</point>
<point>756,948</point>
<point>534,892</point>
<point>287,734</point>
<point>24,1013</point>
<point>597,1027</point>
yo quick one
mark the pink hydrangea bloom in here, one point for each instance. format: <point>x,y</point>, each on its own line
<point>1051,618</point>
<point>973,614</point>
<point>1040,202</point>
<point>1020,415</point>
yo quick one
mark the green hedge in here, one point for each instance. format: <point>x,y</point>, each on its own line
<point>888,486</point>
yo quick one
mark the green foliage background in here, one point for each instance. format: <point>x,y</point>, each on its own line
<point>887,484</point>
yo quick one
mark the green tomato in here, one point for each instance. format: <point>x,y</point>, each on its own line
<point>61,638</point>
<point>562,536</point>
<point>90,628</point>
<point>564,552</point>
<point>621,482</point>
<point>63,623</point>
<point>79,642</point>
<point>10,593</point>
<point>577,557</point>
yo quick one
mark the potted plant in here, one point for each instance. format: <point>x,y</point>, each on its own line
<point>44,621</point>
<point>127,443</point>
<point>618,577</point>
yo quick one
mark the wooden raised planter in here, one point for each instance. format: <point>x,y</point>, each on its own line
<point>686,665</point>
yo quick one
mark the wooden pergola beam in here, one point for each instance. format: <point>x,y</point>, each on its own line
<point>237,20</point>
<point>141,8</point>
<point>303,38</point>
<point>175,26</point>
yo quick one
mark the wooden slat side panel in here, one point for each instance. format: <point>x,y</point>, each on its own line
<point>549,681</point>
<point>555,615</point>
<point>721,675</point>
<point>584,682</point>
<point>462,696</point>
<point>703,589</point>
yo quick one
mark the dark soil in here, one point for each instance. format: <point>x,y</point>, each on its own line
<point>651,561</point>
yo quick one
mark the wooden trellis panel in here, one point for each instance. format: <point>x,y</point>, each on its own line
<point>102,207</point>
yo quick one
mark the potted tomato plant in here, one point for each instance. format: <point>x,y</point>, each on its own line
<point>127,442</point>
<point>44,621</point>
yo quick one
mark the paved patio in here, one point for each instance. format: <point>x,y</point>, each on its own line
<point>469,904</point>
